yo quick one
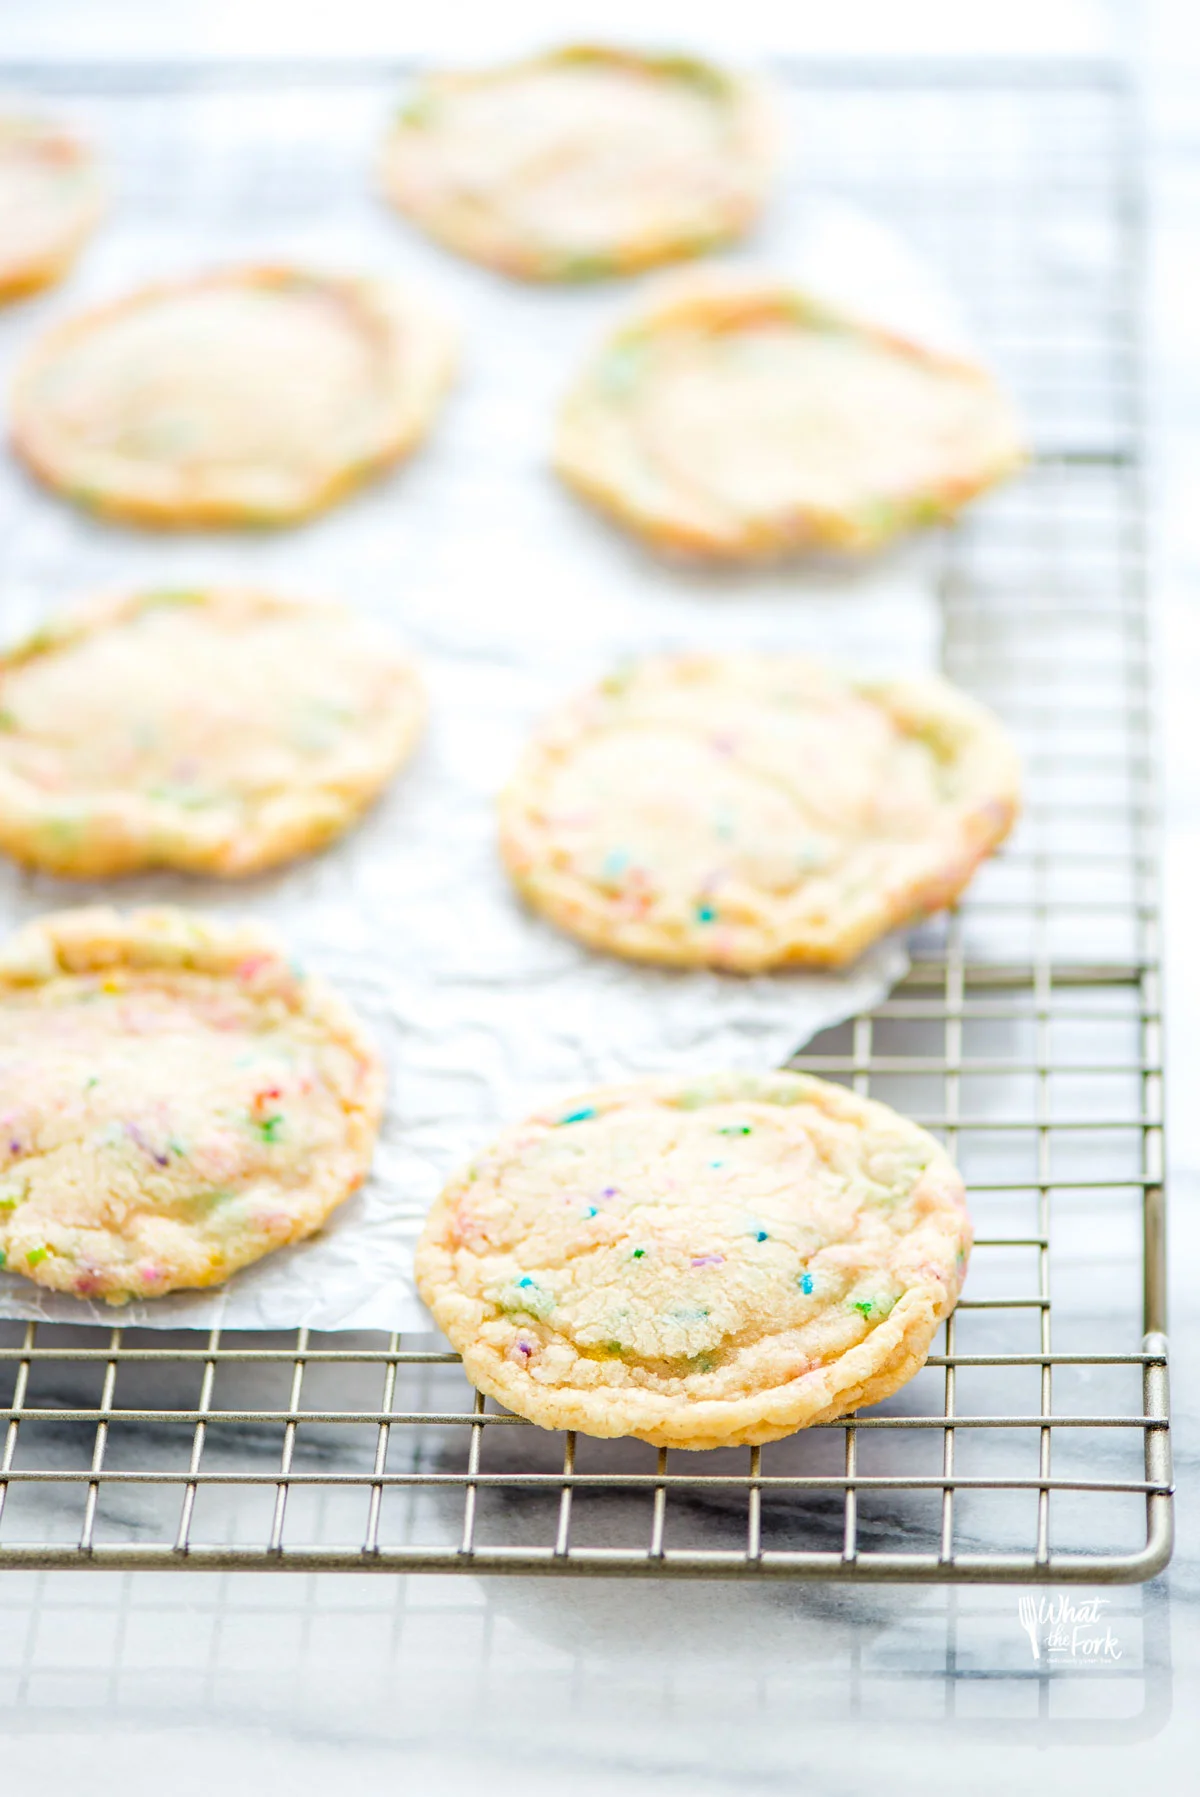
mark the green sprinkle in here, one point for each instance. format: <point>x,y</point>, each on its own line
<point>583,267</point>
<point>864,1306</point>
<point>637,1254</point>
<point>711,82</point>
<point>173,596</point>
<point>89,1083</point>
<point>579,1116</point>
<point>3,1258</point>
<point>269,1127</point>
<point>188,798</point>
<point>735,1129</point>
<point>622,368</point>
<point>175,1146</point>
<point>36,1256</point>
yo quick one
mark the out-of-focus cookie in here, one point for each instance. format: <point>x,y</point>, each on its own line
<point>699,1264</point>
<point>736,418</point>
<point>177,1100</point>
<point>588,161</point>
<point>50,199</point>
<point>217,731</point>
<point>251,396</point>
<point>750,811</point>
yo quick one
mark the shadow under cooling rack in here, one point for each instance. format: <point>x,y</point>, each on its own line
<point>1033,1445</point>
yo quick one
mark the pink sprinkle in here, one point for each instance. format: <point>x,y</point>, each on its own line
<point>248,968</point>
<point>708,1260</point>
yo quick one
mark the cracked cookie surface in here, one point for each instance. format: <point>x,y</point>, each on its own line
<point>735,418</point>
<point>753,811</point>
<point>219,730</point>
<point>176,1101</point>
<point>252,395</point>
<point>698,1264</point>
<point>585,162</point>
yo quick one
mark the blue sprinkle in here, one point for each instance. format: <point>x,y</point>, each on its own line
<point>705,913</point>
<point>580,1116</point>
<point>716,1163</point>
<point>590,1211</point>
<point>760,1235</point>
<point>526,1281</point>
<point>806,1284</point>
<point>615,863</point>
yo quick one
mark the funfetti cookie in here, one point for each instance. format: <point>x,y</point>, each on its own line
<point>588,161</point>
<point>177,1099</point>
<point>251,396</point>
<point>750,811</point>
<point>216,730</point>
<point>699,1264</point>
<point>50,198</point>
<point>735,418</point>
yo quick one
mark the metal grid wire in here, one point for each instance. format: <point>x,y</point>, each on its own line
<point>1033,1446</point>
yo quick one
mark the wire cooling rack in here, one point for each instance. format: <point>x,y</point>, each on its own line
<point>1033,1446</point>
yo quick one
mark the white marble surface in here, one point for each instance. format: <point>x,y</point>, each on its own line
<point>134,1684</point>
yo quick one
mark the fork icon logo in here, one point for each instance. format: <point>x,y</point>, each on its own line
<point>1069,1633</point>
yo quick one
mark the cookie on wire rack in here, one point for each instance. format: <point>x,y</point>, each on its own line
<point>178,1100</point>
<point>252,396</point>
<point>699,1264</point>
<point>754,810</point>
<point>219,731</point>
<point>584,162</point>
<point>51,196</point>
<point>735,417</point>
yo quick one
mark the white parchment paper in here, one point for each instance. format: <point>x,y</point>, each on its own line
<point>510,595</point>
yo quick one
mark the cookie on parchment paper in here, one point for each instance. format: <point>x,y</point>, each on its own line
<point>736,418</point>
<point>51,196</point>
<point>178,1100</point>
<point>584,162</point>
<point>217,730</point>
<point>252,396</point>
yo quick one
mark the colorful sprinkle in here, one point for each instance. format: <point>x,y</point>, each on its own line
<point>135,1135</point>
<point>735,1129</point>
<point>708,1260</point>
<point>637,1254</point>
<point>580,1116</point>
<point>268,1127</point>
<point>806,1284</point>
<point>760,1235</point>
<point>36,1256</point>
<point>705,913</point>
